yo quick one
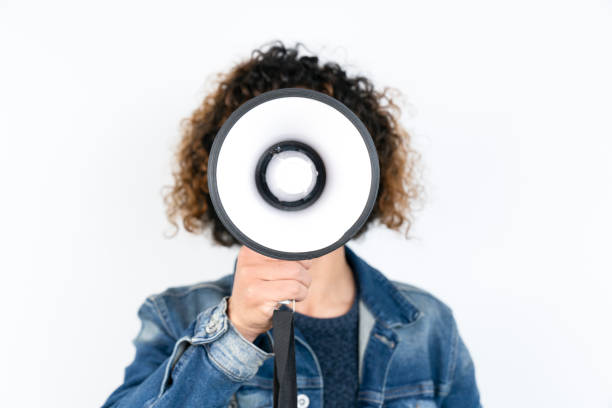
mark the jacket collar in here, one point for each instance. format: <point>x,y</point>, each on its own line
<point>381,296</point>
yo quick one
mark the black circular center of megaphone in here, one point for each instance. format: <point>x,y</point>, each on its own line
<point>261,175</point>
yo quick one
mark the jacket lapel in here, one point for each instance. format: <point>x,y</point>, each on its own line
<point>382,309</point>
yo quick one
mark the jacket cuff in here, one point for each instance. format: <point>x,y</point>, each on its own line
<point>234,355</point>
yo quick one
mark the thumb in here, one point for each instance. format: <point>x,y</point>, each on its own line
<point>306,263</point>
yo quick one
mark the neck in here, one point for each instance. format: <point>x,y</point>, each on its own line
<point>333,288</point>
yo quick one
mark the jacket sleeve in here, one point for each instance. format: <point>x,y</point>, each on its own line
<point>464,391</point>
<point>205,366</point>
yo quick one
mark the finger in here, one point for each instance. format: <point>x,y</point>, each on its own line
<point>282,290</point>
<point>283,271</point>
<point>247,255</point>
<point>306,263</point>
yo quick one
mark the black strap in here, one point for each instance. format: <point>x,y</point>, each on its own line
<point>285,385</point>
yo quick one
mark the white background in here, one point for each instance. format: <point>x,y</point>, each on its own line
<point>509,102</point>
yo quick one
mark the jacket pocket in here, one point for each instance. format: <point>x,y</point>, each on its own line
<point>410,403</point>
<point>254,397</point>
<point>420,394</point>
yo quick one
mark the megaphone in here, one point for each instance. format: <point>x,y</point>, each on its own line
<point>292,174</point>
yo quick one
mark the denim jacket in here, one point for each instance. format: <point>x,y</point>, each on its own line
<point>188,354</point>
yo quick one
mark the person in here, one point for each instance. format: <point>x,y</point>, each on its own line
<point>360,338</point>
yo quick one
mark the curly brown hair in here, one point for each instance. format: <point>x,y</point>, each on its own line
<point>276,66</point>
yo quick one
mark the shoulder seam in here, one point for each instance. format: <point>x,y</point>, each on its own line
<point>190,289</point>
<point>454,356</point>
<point>161,315</point>
<point>408,290</point>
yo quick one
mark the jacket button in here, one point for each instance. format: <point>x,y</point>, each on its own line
<point>212,325</point>
<point>303,401</point>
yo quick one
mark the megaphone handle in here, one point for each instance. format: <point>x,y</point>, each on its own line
<point>285,380</point>
<point>288,301</point>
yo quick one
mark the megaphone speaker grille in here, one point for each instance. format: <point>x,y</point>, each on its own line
<point>290,175</point>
